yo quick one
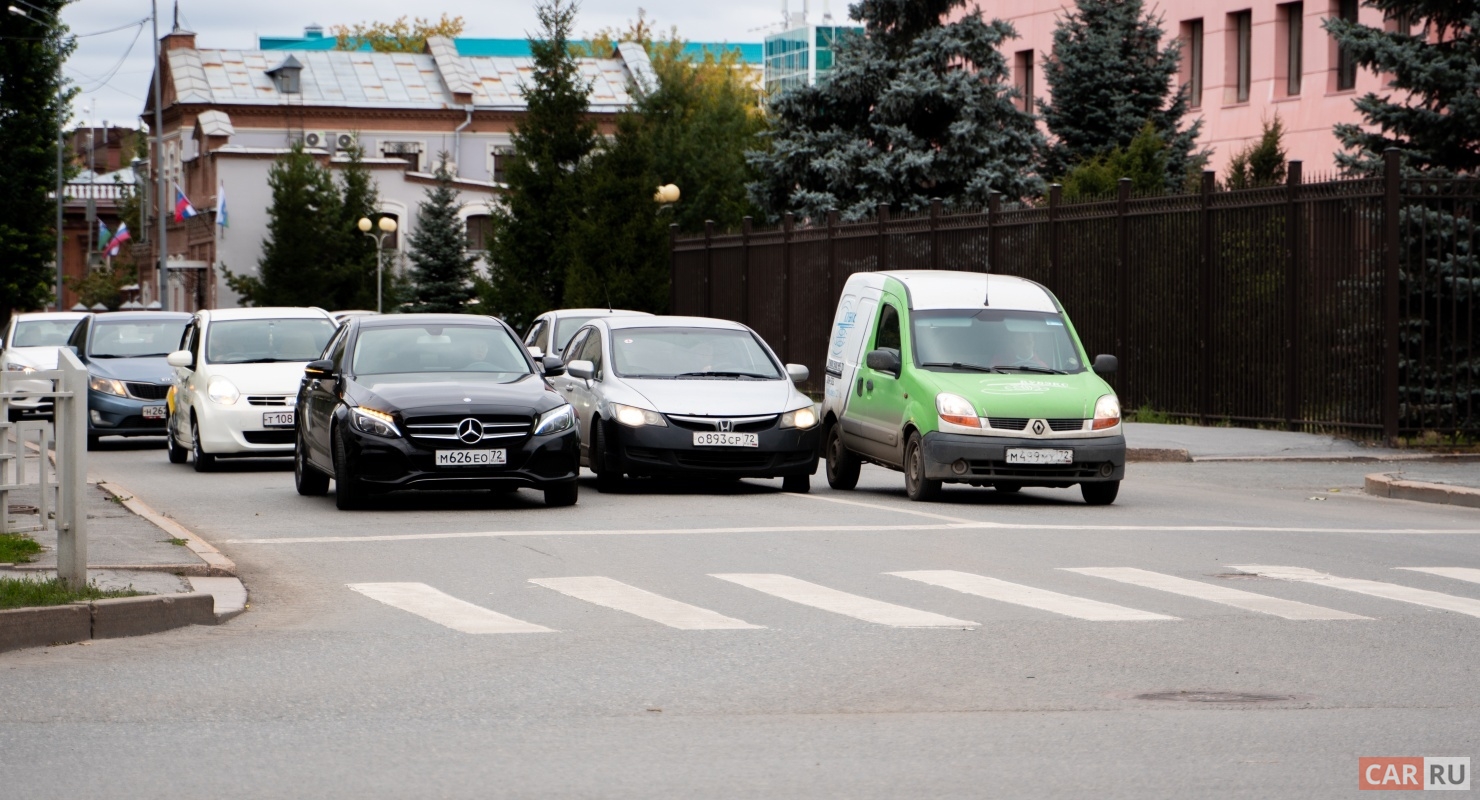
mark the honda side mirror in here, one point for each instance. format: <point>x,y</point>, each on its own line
<point>798,373</point>
<point>884,359</point>
<point>581,368</point>
<point>179,358</point>
<point>553,365</point>
<point>1105,364</point>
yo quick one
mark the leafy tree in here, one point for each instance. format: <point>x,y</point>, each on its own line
<point>303,237</point>
<point>400,36</point>
<point>103,285</point>
<point>1260,163</point>
<point>442,271</point>
<point>914,109</point>
<point>1144,161</point>
<point>34,98</point>
<point>532,252</point>
<point>1107,76</point>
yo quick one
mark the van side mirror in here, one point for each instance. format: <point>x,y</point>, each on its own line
<point>179,358</point>
<point>552,365</point>
<point>323,368</point>
<point>798,373</point>
<point>1105,364</point>
<point>581,368</point>
<point>885,359</point>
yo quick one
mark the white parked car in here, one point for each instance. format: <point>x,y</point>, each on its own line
<point>30,344</point>
<point>236,379</point>
<point>551,331</point>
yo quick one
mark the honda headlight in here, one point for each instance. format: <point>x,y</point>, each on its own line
<point>802,418</point>
<point>956,410</point>
<point>634,417</point>
<point>107,386</point>
<point>556,420</point>
<point>374,422</point>
<point>222,391</point>
<point>1107,412</point>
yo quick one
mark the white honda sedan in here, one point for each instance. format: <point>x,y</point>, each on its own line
<point>236,378</point>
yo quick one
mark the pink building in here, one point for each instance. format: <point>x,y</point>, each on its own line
<point>1243,61</point>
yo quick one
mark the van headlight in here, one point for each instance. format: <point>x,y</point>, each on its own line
<point>634,417</point>
<point>802,418</point>
<point>1107,412</point>
<point>556,420</point>
<point>222,391</point>
<point>956,410</point>
<point>374,422</point>
<point>107,386</point>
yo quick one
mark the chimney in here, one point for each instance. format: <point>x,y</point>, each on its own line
<point>177,40</point>
<point>313,31</point>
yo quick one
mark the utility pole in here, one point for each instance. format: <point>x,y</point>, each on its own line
<point>164,299</point>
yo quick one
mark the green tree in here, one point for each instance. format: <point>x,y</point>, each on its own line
<point>1108,74</point>
<point>1260,163</point>
<point>34,98</point>
<point>303,237</point>
<point>354,283</point>
<point>442,270</point>
<point>914,109</point>
<point>1144,161</point>
<point>532,250</point>
<point>401,36</point>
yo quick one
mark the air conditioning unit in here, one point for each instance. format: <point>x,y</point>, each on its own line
<point>344,141</point>
<point>318,139</point>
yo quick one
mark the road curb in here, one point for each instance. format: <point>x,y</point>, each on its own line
<point>1445,458</point>
<point>1381,484</point>
<point>104,619</point>
<point>217,564</point>
<point>1156,455</point>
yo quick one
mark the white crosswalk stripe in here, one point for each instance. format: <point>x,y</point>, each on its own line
<point>444,609</point>
<point>1458,573</point>
<point>1228,596</point>
<point>839,602</point>
<point>639,602</point>
<point>1018,594</point>
<point>1389,591</point>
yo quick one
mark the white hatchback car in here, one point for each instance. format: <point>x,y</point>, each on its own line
<point>30,344</point>
<point>236,379</point>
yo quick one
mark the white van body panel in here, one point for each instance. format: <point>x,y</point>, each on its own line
<point>852,324</point>
<point>931,290</point>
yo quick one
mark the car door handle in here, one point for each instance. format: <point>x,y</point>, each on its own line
<point>869,386</point>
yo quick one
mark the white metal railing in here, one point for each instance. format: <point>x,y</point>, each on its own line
<point>62,492</point>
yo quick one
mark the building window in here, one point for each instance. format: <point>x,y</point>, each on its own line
<point>1022,71</point>
<point>1240,41</point>
<point>410,152</point>
<point>1292,30</point>
<point>480,232</point>
<point>1192,64</point>
<point>1346,65</point>
<point>501,156</point>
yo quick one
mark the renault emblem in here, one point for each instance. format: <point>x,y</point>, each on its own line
<point>470,431</point>
<point>724,425</point>
<point>1038,427</point>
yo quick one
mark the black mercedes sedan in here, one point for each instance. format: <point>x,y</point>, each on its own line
<point>432,401</point>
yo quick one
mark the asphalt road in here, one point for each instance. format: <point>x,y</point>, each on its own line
<point>810,669</point>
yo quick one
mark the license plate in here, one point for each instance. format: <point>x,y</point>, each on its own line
<point>277,419</point>
<point>1038,456</point>
<point>717,439</point>
<point>155,412</point>
<point>472,458</point>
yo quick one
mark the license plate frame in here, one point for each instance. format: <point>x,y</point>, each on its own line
<point>1039,456</point>
<point>156,412</point>
<point>471,458</point>
<point>724,439</point>
<point>278,419</point>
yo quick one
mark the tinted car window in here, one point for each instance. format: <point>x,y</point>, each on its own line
<point>439,348</point>
<point>43,332</point>
<point>888,336</point>
<point>260,341</point>
<point>135,338</point>
<point>690,353</point>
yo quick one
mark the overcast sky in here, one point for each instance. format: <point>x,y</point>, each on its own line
<point>113,69</point>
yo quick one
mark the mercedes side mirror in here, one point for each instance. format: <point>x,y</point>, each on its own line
<point>581,368</point>
<point>179,358</point>
<point>552,364</point>
<point>885,359</point>
<point>1105,364</point>
<point>323,368</point>
<point>798,373</point>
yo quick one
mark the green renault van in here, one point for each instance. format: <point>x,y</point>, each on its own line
<point>955,377</point>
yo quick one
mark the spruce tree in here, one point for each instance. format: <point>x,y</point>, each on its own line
<point>1144,161</point>
<point>303,237</point>
<point>914,109</point>
<point>1107,76</point>
<point>442,269</point>
<point>531,252</point>
<point>33,105</point>
<point>355,273</point>
<point>1260,163</point>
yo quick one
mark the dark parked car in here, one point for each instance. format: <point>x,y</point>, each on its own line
<point>432,401</point>
<point>128,379</point>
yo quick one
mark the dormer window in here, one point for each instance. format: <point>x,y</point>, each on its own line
<point>285,75</point>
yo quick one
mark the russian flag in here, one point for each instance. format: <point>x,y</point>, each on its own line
<point>183,209</point>
<point>118,239</point>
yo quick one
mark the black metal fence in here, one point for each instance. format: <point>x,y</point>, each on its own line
<point>1341,305</point>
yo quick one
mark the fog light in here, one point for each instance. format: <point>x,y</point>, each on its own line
<point>1107,469</point>
<point>959,466</point>
<point>96,417</point>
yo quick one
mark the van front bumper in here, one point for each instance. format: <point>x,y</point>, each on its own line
<point>984,458</point>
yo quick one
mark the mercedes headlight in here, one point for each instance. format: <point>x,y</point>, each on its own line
<point>556,420</point>
<point>374,422</point>
<point>802,418</point>
<point>222,391</point>
<point>634,417</point>
<point>1107,412</point>
<point>107,386</point>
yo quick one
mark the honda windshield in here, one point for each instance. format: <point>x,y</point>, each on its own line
<point>691,354</point>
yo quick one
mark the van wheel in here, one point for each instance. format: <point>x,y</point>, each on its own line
<point>1100,494</point>
<point>608,479</point>
<point>796,484</point>
<point>916,485</point>
<point>842,466</point>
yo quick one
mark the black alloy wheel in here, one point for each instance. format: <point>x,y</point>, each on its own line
<point>916,485</point>
<point>842,465</point>
<point>307,479</point>
<point>608,479</point>
<point>204,462</point>
<point>1100,494</point>
<point>349,493</point>
<point>563,494</point>
<point>178,454</point>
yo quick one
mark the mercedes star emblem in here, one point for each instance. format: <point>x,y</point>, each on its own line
<point>470,431</point>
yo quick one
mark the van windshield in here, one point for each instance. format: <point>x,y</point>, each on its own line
<point>993,340</point>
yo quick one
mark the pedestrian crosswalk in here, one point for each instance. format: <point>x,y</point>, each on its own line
<point>441,608</point>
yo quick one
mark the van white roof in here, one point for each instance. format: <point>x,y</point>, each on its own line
<point>941,289</point>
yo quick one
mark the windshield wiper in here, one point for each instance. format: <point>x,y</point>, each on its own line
<point>961,365</point>
<point>268,360</point>
<point>1039,370</point>
<point>722,374</point>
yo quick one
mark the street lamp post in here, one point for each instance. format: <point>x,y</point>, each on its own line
<point>387,227</point>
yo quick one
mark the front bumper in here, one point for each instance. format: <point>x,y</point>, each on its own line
<point>31,405</point>
<point>670,451</point>
<point>1096,459</point>
<point>111,415</point>
<point>539,462</point>
<point>236,430</point>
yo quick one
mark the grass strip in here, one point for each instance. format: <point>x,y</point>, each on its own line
<point>17,548</point>
<point>25,593</point>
